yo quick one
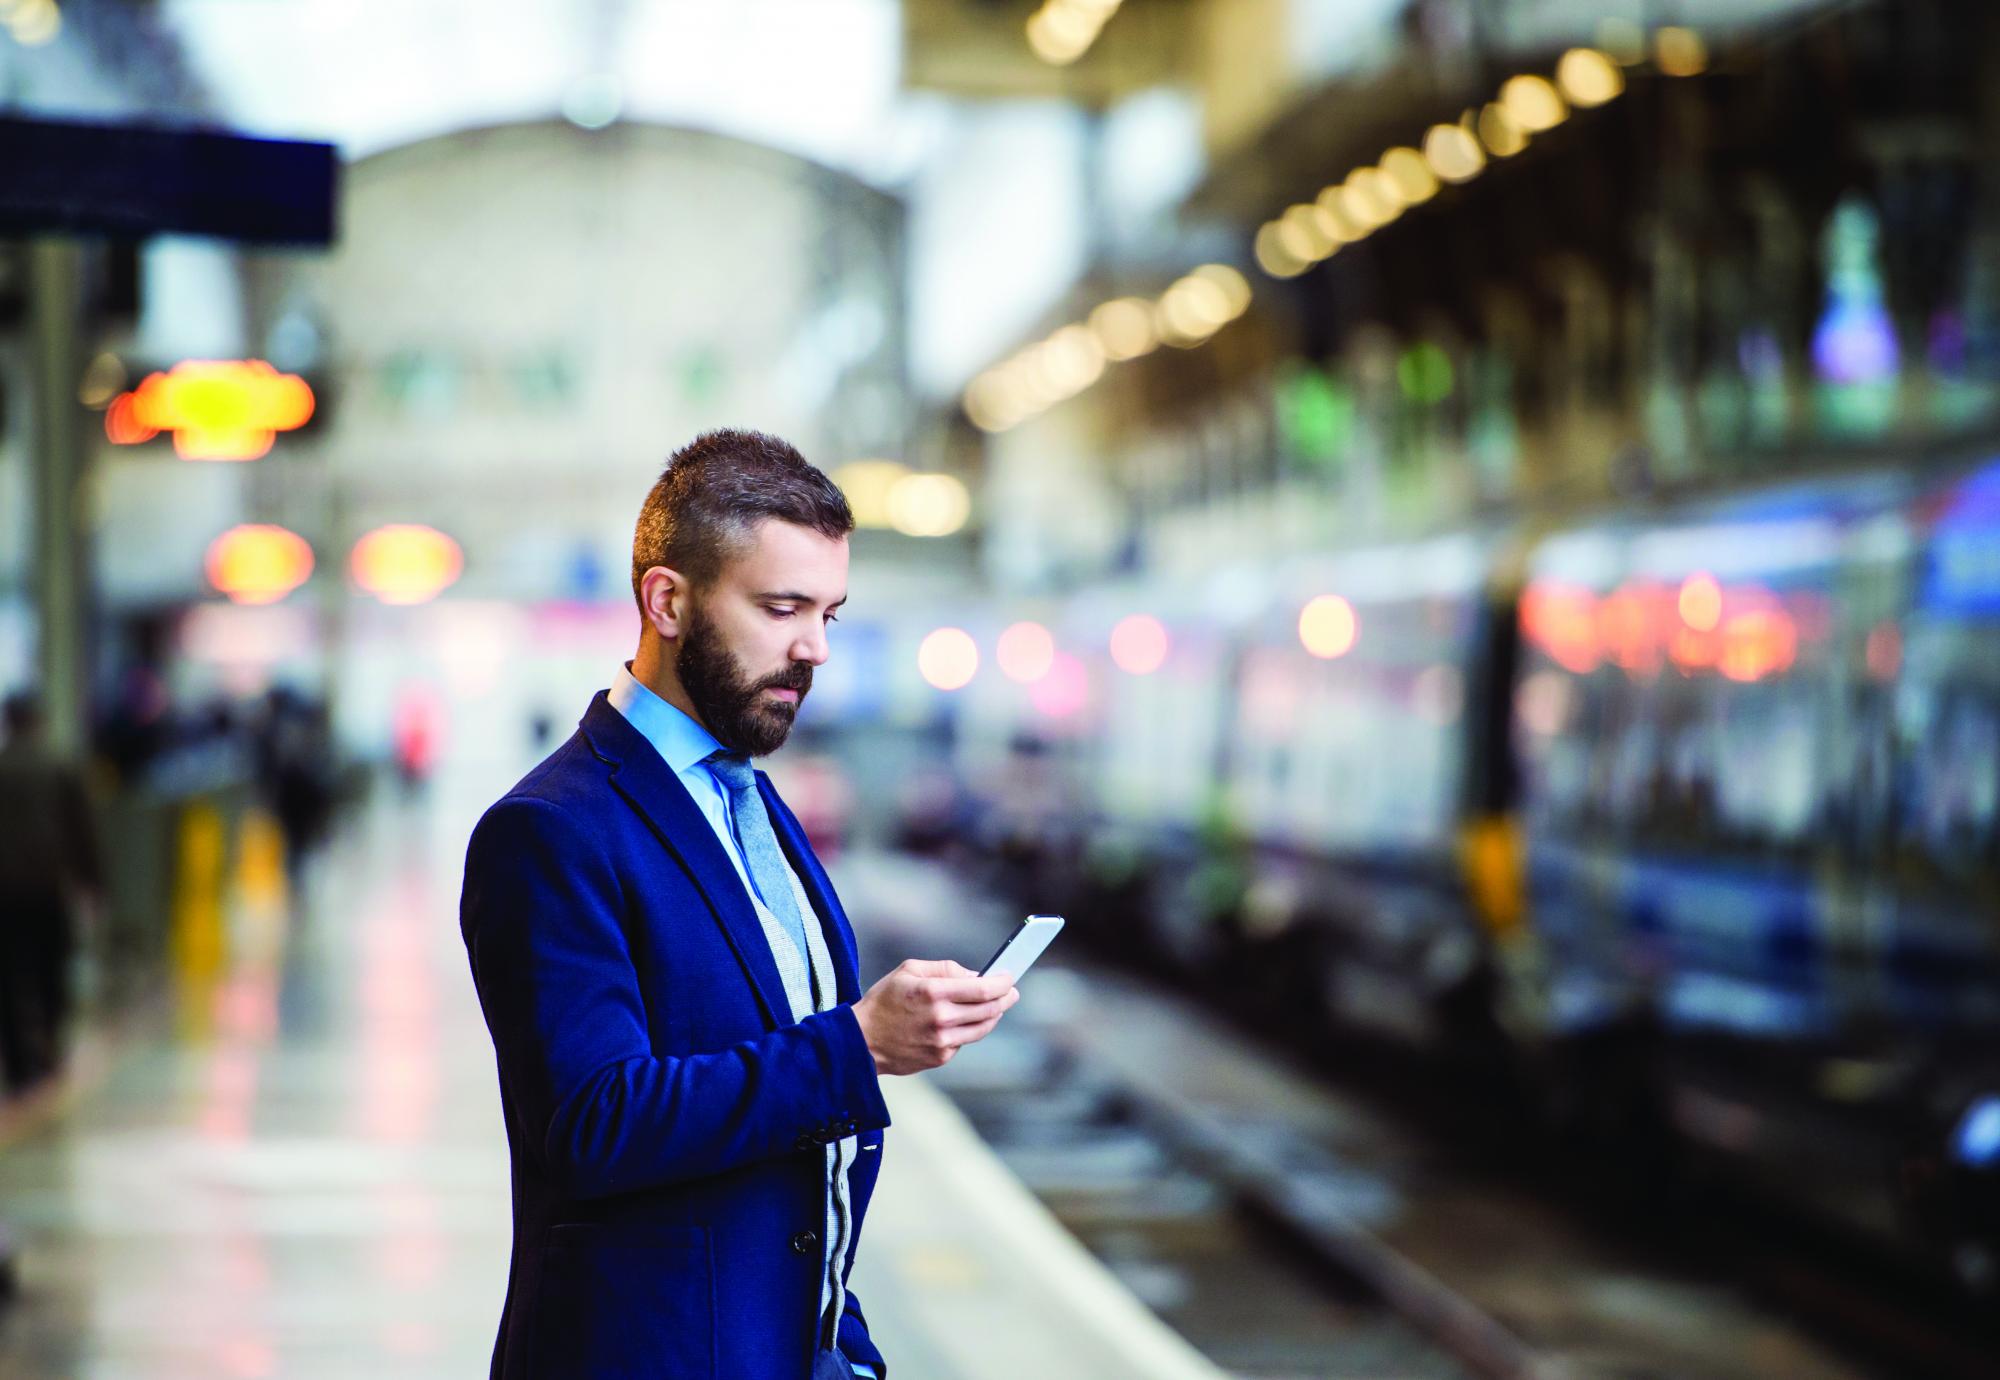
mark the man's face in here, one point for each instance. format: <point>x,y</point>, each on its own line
<point>752,639</point>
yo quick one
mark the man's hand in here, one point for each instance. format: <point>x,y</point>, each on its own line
<point>926,1010</point>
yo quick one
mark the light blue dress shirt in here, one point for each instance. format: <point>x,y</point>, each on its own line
<point>684,745</point>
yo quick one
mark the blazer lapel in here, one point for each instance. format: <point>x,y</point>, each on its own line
<point>638,774</point>
<point>833,920</point>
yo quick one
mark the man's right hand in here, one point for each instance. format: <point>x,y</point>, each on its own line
<point>926,1010</point>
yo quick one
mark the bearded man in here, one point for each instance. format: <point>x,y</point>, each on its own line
<point>688,1069</point>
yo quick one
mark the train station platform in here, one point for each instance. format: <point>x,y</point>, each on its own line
<point>293,1165</point>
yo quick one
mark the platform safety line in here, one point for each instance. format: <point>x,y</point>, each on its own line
<point>1461,1326</point>
<point>1005,1211</point>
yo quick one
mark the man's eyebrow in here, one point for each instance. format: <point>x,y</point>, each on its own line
<point>794,597</point>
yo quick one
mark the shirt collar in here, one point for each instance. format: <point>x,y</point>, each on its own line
<point>680,741</point>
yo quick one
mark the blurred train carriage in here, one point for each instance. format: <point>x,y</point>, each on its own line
<point>1691,814</point>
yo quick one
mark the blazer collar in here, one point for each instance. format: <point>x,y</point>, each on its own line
<point>642,777</point>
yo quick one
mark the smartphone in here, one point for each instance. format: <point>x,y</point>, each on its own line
<point>1024,946</point>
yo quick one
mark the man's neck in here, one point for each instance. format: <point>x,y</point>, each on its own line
<point>652,669</point>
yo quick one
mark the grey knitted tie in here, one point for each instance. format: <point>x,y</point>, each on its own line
<point>761,853</point>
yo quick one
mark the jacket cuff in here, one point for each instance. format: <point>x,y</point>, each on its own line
<point>858,1087</point>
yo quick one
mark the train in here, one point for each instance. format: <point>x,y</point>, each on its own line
<point>1684,812</point>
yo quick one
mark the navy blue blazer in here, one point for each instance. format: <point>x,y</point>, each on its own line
<point>665,1115</point>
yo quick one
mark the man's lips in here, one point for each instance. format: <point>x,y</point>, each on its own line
<point>788,696</point>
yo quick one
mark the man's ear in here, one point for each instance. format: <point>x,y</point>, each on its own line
<point>664,601</point>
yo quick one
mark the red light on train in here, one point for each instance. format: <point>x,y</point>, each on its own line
<point>1562,621</point>
<point>1757,644</point>
<point>1631,631</point>
<point>1701,603</point>
<point>216,409</point>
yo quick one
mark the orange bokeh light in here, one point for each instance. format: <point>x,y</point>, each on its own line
<point>217,409</point>
<point>1139,644</point>
<point>1026,652</point>
<point>1328,627</point>
<point>1562,621</point>
<point>1760,643</point>
<point>406,563</point>
<point>258,564</point>
<point>1701,603</point>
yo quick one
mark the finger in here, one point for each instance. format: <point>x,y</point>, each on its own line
<point>937,968</point>
<point>971,1013</point>
<point>960,1035</point>
<point>972,989</point>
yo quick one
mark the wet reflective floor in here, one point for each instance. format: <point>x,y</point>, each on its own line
<point>298,1170</point>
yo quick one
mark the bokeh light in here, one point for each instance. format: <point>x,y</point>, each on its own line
<point>1065,690</point>
<point>1701,603</point>
<point>928,505</point>
<point>258,563</point>
<point>1328,627</point>
<point>1025,652</point>
<point>406,563</point>
<point>1139,644</point>
<point>948,659</point>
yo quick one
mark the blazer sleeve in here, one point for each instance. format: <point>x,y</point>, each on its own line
<point>541,917</point>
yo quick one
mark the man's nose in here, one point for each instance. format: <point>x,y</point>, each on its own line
<point>811,648</point>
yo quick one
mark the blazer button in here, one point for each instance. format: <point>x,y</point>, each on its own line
<point>804,1242</point>
<point>805,1142</point>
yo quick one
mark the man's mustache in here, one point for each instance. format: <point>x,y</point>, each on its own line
<point>798,677</point>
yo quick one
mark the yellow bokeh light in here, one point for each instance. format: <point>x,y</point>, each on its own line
<point>1534,103</point>
<point>1415,182</point>
<point>867,484</point>
<point>1498,131</point>
<point>258,563</point>
<point>406,563</point>
<point>1273,256</point>
<point>1328,627</point>
<point>1680,52</point>
<point>1124,328</point>
<point>993,403</point>
<point>1334,224</point>
<point>1025,652</point>
<point>1305,239</point>
<point>1370,199</point>
<point>1454,155</point>
<point>948,659</point>
<point>1139,644</point>
<point>33,22</point>
<point>929,505</point>
<point>222,409</point>
<point>1588,77</point>
<point>1235,288</point>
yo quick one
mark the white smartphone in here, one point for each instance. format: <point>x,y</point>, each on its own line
<point>1024,946</point>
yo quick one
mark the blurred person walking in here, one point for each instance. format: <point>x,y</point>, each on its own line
<point>689,1073</point>
<point>49,864</point>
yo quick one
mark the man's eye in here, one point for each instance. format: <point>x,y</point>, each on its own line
<point>831,619</point>
<point>781,613</point>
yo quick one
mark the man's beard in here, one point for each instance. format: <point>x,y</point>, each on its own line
<point>733,706</point>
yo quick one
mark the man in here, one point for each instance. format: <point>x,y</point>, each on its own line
<point>49,863</point>
<point>688,1069</point>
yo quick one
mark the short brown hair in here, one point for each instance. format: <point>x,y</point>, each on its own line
<point>715,490</point>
